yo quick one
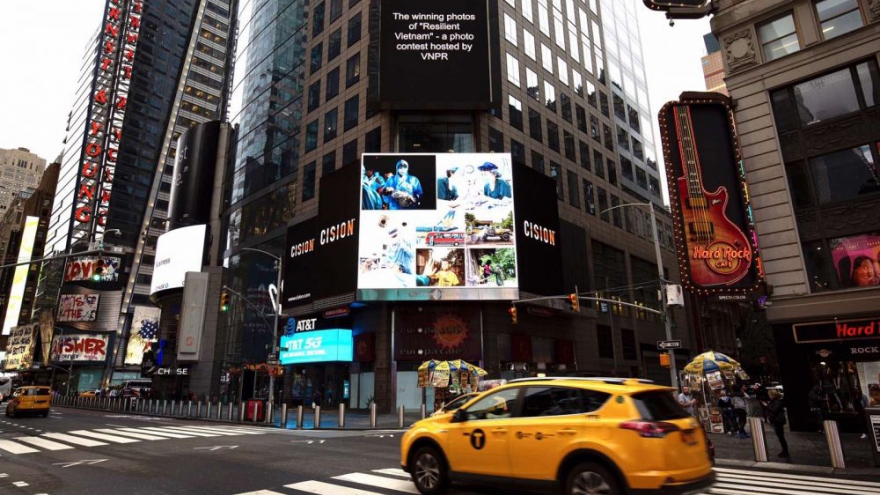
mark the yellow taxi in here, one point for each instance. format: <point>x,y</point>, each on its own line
<point>575,436</point>
<point>29,400</point>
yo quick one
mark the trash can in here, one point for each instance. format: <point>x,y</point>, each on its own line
<point>255,410</point>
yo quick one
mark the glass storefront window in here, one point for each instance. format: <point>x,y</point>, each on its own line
<point>869,382</point>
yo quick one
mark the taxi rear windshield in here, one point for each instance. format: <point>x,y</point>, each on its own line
<point>36,391</point>
<point>658,405</point>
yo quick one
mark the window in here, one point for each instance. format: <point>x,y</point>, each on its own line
<point>612,172</point>
<point>515,112</point>
<point>510,29</point>
<point>609,138</point>
<point>330,119</point>
<point>556,173</point>
<point>314,95</point>
<point>622,138</point>
<point>351,112</point>
<point>615,214</point>
<point>353,70</point>
<point>332,84</point>
<point>335,10</point>
<point>496,140</point>
<point>839,176</point>
<point>550,96</point>
<point>638,151</point>
<point>594,127</point>
<point>591,95</point>
<point>546,58</point>
<point>517,152</point>
<point>562,67</point>
<point>568,143</point>
<point>532,87</point>
<point>512,70</point>
<point>654,184</point>
<point>501,404</point>
<point>628,344</point>
<point>529,42</point>
<point>585,154</point>
<point>589,200</point>
<point>535,125</point>
<point>603,205</point>
<point>350,152</point>
<point>309,181</point>
<point>354,29</point>
<point>778,37</point>
<point>538,161</point>
<point>574,197</point>
<point>334,44</point>
<point>838,17</point>
<point>312,135</point>
<point>641,178</point>
<point>318,20</point>
<point>603,104</point>
<point>328,163</point>
<point>373,141</point>
<point>619,106</point>
<point>560,401</point>
<point>626,169</point>
<point>526,9</point>
<point>606,341</point>
<point>565,103</point>
<point>581,116</point>
<point>599,161</point>
<point>316,58</point>
<point>818,99</point>
<point>552,135</point>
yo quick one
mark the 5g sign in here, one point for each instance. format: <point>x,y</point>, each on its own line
<point>317,346</point>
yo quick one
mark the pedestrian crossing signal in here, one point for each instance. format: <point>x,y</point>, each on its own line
<point>575,302</point>
<point>512,312</point>
<point>224,301</point>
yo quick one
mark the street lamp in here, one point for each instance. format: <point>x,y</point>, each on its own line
<point>276,308</point>
<point>673,373</point>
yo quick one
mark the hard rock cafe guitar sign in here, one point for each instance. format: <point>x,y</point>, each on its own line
<point>716,242</point>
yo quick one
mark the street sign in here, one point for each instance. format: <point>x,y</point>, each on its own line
<point>668,344</point>
<point>273,362</point>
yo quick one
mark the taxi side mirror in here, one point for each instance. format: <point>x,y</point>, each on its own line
<point>459,416</point>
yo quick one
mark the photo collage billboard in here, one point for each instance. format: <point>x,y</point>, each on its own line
<point>437,227</point>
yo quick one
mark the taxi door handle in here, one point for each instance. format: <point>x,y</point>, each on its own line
<point>499,431</point>
<point>567,431</point>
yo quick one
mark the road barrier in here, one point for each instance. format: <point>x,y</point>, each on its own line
<point>401,415</point>
<point>835,448</point>
<point>759,442</point>
<point>317,417</point>
<point>372,415</point>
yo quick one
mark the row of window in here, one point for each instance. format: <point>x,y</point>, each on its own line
<point>372,144</point>
<point>779,36</point>
<point>334,44</point>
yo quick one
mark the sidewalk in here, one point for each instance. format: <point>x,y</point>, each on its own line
<point>809,452</point>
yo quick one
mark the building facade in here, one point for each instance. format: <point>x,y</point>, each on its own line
<point>574,107</point>
<point>804,76</point>
<point>19,170</point>
<point>713,65</point>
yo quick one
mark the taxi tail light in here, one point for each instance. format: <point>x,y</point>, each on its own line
<point>650,429</point>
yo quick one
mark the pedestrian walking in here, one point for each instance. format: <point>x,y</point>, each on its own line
<point>741,410</point>
<point>776,415</point>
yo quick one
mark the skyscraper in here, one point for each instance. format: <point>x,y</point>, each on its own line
<point>19,169</point>
<point>308,101</point>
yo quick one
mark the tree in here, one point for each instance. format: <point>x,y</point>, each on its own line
<point>507,223</point>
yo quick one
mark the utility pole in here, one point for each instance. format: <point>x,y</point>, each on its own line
<point>276,308</point>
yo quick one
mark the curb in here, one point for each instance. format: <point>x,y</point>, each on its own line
<point>802,468</point>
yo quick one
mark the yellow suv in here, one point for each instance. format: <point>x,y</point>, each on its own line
<point>34,400</point>
<point>575,436</point>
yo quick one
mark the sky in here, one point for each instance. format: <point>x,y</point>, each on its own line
<point>40,56</point>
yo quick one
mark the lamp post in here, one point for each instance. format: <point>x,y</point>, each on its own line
<point>673,372</point>
<point>276,308</point>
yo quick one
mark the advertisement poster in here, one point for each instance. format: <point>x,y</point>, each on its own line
<point>708,195</point>
<point>857,260</point>
<point>94,268</point>
<point>538,240</point>
<point>437,226</point>
<point>144,331</point>
<point>440,333</point>
<point>80,347</point>
<point>177,252</point>
<point>77,307</point>
<point>19,277</point>
<point>20,347</point>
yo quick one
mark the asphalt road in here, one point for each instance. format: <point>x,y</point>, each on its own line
<point>98,452</point>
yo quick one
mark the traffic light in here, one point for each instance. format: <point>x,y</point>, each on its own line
<point>664,360</point>
<point>512,312</point>
<point>224,301</point>
<point>575,302</point>
<point>99,271</point>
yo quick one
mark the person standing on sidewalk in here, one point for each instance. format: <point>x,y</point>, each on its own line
<point>687,400</point>
<point>740,408</point>
<point>816,399</point>
<point>776,415</point>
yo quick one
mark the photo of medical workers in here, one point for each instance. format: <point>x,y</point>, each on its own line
<point>411,185</point>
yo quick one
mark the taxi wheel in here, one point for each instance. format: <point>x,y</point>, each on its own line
<point>590,478</point>
<point>428,470</point>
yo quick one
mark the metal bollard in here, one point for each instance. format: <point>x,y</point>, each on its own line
<point>299,417</point>
<point>834,446</point>
<point>401,411</point>
<point>284,415</point>
<point>759,443</point>
<point>174,407</point>
<point>219,410</point>
<point>189,409</point>
<point>424,411</point>
<point>164,406</point>
<point>241,412</point>
<point>269,412</point>
<point>199,409</point>
<point>317,424</point>
<point>208,411</point>
<point>342,415</point>
<point>231,411</point>
<point>372,414</point>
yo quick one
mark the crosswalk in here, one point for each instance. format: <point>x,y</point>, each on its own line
<point>729,482</point>
<point>52,441</point>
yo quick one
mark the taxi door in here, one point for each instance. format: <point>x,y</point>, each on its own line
<point>479,444</point>
<point>551,419</point>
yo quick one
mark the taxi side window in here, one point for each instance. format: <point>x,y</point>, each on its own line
<point>560,401</point>
<point>501,404</point>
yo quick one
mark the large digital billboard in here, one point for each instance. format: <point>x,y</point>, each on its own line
<point>437,227</point>
<point>714,228</point>
<point>19,277</point>
<point>317,347</point>
<point>177,252</point>
<point>439,54</point>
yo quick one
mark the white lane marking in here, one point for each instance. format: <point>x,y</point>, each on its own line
<point>794,490</point>
<point>103,436</point>
<point>260,492</point>
<point>44,443</point>
<point>393,472</point>
<point>85,442</point>
<point>15,448</point>
<point>142,436</point>
<point>829,486</point>
<point>379,481</point>
<point>321,488</point>
<point>243,431</point>
<point>20,484</point>
<point>187,431</point>
<point>777,476</point>
<point>160,431</point>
